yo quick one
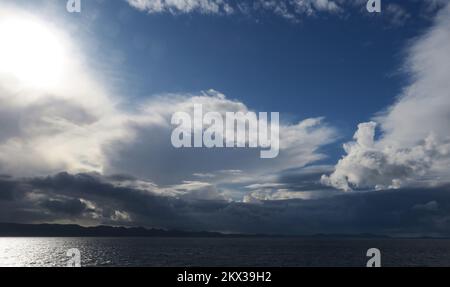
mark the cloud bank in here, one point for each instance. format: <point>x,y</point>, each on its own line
<point>182,6</point>
<point>92,199</point>
<point>395,13</point>
<point>288,9</point>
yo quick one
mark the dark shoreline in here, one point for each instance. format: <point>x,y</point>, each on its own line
<point>73,230</point>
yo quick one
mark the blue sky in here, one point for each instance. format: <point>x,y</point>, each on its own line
<point>377,83</point>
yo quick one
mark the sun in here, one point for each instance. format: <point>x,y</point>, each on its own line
<point>30,52</point>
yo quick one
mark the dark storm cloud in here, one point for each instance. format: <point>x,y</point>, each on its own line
<point>69,206</point>
<point>91,198</point>
<point>9,188</point>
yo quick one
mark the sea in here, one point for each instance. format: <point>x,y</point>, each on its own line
<point>221,252</point>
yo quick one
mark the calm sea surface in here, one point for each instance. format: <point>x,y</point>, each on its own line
<point>222,252</point>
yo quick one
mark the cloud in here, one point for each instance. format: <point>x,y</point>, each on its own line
<point>294,10</point>
<point>414,145</point>
<point>369,164</point>
<point>311,6</point>
<point>182,6</point>
<point>70,206</point>
<point>289,9</point>
<point>151,156</point>
<point>92,199</point>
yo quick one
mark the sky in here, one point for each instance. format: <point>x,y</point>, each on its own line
<point>86,101</point>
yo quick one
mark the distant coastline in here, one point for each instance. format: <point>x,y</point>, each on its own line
<point>73,230</point>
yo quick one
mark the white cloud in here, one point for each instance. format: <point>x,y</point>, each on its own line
<point>395,14</point>
<point>371,164</point>
<point>415,137</point>
<point>150,155</point>
<point>182,6</point>
<point>121,216</point>
<point>290,9</point>
<point>312,6</point>
<point>188,190</point>
<point>261,195</point>
<point>264,185</point>
<point>293,10</point>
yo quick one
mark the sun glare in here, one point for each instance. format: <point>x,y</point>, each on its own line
<point>30,52</point>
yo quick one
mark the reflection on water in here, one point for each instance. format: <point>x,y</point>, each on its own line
<point>221,252</point>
